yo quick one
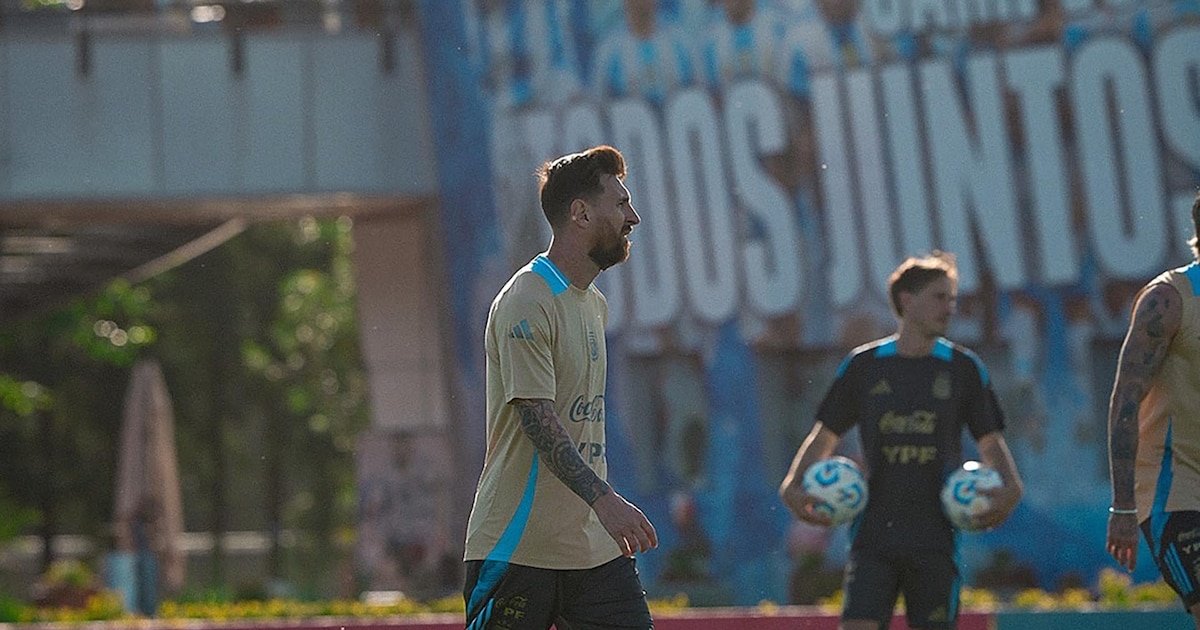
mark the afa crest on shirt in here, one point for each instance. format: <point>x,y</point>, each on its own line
<point>941,386</point>
<point>593,345</point>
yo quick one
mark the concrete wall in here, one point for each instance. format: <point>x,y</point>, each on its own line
<point>168,116</point>
<point>409,537</point>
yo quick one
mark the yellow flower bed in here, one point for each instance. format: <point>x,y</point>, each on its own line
<point>1115,591</point>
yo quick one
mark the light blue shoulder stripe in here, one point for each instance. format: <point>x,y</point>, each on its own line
<point>885,347</point>
<point>946,349</point>
<point>943,349</point>
<point>1192,272</point>
<point>549,272</point>
<point>843,366</point>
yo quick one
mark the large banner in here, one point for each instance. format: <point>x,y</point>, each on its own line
<point>785,155</point>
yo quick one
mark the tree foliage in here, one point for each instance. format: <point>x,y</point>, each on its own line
<point>259,345</point>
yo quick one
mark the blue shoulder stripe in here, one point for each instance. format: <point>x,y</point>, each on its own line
<point>943,349</point>
<point>882,348</point>
<point>549,272</point>
<point>984,376</point>
<point>845,364</point>
<point>1192,272</point>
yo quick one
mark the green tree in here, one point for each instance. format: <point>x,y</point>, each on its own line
<point>258,341</point>
<point>261,337</point>
<point>60,409</point>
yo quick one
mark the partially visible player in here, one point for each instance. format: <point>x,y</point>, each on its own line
<point>1154,430</point>
<point>911,395</point>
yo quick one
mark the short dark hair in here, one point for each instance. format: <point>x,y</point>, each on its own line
<point>1195,240</point>
<point>565,179</point>
<point>918,271</point>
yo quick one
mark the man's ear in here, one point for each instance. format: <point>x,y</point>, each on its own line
<point>578,213</point>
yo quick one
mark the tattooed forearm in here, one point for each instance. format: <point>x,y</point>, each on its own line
<point>1155,321</point>
<point>1123,435</point>
<point>558,452</point>
<point>1123,441</point>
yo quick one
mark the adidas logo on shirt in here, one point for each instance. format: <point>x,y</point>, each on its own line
<point>521,331</point>
<point>882,388</point>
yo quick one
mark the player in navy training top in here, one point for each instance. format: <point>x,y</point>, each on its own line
<point>911,395</point>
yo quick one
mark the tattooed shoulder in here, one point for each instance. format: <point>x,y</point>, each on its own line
<point>1158,311</point>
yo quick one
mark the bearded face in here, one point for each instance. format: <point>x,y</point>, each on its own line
<point>611,248</point>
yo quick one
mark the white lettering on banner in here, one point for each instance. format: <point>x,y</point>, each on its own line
<point>581,128</point>
<point>702,195</point>
<point>972,175</point>
<point>1034,75</point>
<point>872,179</point>
<point>541,142</point>
<point>509,185</point>
<point>845,267</point>
<point>1176,67</point>
<point>755,126</point>
<point>908,164</point>
<point>540,134</point>
<point>909,157</point>
<point>1129,237</point>
<point>653,278</point>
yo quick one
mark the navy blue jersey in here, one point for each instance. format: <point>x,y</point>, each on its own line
<point>910,413</point>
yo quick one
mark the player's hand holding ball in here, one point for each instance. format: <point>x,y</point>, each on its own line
<point>975,498</point>
<point>833,491</point>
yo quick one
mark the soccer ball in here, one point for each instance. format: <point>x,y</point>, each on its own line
<point>839,485</point>
<point>960,497</point>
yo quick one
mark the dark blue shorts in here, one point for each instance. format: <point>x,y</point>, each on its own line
<point>929,581</point>
<point>512,596</point>
<point>1174,539</point>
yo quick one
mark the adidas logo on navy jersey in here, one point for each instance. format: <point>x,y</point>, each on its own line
<point>882,388</point>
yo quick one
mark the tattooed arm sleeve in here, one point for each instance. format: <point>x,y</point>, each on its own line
<point>558,451</point>
<point>1156,317</point>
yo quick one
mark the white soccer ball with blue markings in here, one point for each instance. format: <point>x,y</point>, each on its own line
<point>961,499</point>
<point>840,486</point>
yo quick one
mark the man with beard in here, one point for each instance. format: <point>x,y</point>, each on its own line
<point>549,541</point>
<point>911,395</point>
